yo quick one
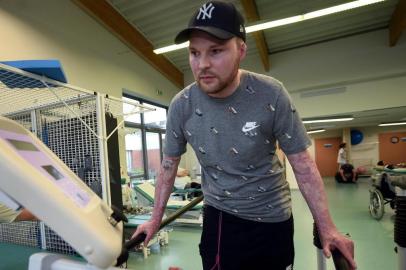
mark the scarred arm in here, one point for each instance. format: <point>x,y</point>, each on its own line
<point>311,185</point>
<point>163,189</point>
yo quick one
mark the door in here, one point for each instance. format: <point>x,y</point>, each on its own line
<point>392,147</point>
<point>326,150</point>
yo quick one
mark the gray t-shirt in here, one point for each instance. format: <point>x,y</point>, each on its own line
<point>235,140</point>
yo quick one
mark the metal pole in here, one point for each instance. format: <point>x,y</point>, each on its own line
<point>104,159</point>
<point>321,260</point>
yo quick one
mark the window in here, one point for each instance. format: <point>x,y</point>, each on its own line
<point>134,153</point>
<point>155,119</point>
<point>153,153</point>
<point>144,139</point>
<point>129,111</point>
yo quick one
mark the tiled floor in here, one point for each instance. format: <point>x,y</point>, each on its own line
<point>349,207</point>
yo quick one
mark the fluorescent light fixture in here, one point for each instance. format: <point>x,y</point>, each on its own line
<point>315,131</point>
<point>325,120</point>
<point>339,8</point>
<point>273,24</point>
<point>392,124</point>
<point>310,15</point>
<point>285,21</point>
<point>172,48</point>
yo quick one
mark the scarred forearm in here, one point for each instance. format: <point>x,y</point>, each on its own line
<point>164,186</point>
<point>311,185</point>
<point>312,188</point>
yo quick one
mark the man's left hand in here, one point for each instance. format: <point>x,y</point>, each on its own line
<point>335,240</point>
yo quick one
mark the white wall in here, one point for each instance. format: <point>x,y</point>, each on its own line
<point>373,74</point>
<point>91,56</point>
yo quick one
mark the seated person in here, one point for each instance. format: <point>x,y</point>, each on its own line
<point>196,187</point>
<point>182,178</point>
<point>8,215</point>
<point>128,195</point>
<point>183,181</point>
<point>346,174</point>
<point>182,172</point>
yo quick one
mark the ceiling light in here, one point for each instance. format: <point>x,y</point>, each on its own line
<point>285,21</point>
<point>311,15</point>
<point>273,24</point>
<point>172,48</point>
<point>325,120</point>
<point>315,131</point>
<point>339,8</point>
<point>392,124</point>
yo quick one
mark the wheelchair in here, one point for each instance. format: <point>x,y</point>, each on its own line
<point>381,193</point>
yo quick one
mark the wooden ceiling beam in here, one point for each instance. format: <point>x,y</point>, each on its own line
<point>251,13</point>
<point>105,14</point>
<point>397,23</point>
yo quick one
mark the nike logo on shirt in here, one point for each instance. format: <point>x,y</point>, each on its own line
<point>249,126</point>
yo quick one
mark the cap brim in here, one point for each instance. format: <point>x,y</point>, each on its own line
<point>184,35</point>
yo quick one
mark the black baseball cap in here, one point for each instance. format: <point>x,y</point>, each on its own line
<point>219,19</point>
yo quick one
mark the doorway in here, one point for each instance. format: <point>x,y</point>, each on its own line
<point>326,150</point>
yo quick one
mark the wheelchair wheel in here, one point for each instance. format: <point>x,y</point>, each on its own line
<point>376,204</point>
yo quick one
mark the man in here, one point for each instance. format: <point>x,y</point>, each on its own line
<point>233,118</point>
<point>8,215</point>
<point>347,174</point>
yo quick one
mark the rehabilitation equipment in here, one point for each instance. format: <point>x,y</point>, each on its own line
<point>58,197</point>
<point>141,237</point>
<point>399,182</point>
<point>146,194</point>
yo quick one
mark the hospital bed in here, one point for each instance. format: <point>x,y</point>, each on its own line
<point>145,197</point>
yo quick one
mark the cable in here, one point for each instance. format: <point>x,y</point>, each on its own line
<point>218,243</point>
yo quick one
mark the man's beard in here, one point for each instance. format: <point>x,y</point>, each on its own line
<point>221,83</point>
<point>216,89</point>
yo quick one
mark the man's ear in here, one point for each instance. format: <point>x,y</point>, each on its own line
<point>243,49</point>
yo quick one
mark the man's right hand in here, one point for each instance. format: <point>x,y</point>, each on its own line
<point>163,189</point>
<point>149,228</point>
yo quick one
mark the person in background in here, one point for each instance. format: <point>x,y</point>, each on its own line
<point>347,174</point>
<point>8,215</point>
<point>233,119</point>
<point>342,156</point>
<point>182,172</point>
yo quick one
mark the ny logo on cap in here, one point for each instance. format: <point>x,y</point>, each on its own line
<point>205,11</point>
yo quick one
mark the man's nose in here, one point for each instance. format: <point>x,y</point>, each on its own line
<point>204,62</point>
